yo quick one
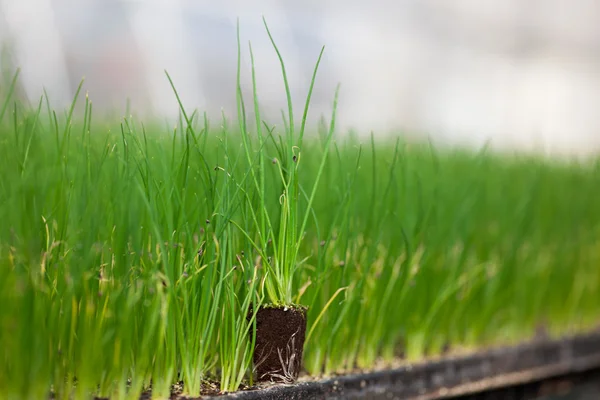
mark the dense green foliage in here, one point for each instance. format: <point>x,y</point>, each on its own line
<point>129,254</point>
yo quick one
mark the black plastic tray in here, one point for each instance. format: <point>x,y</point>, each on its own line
<point>451,377</point>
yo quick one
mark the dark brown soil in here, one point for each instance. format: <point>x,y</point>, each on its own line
<point>280,335</point>
<point>208,388</point>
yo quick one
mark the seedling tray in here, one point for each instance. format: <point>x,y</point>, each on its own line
<point>450,376</point>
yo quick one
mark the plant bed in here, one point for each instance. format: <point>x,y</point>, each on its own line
<point>450,376</point>
<point>129,259</point>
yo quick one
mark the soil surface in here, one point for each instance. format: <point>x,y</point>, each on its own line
<point>280,335</point>
<point>209,388</point>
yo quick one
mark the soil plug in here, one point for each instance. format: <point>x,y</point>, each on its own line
<point>280,335</point>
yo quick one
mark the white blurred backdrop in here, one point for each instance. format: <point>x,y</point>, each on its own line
<point>523,74</point>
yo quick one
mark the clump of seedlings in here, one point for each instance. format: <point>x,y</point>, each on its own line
<point>131,259</point>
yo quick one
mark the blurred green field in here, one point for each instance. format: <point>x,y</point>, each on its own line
<point>130,254</point>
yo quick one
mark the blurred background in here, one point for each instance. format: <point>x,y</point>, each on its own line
<point>523,74</point>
